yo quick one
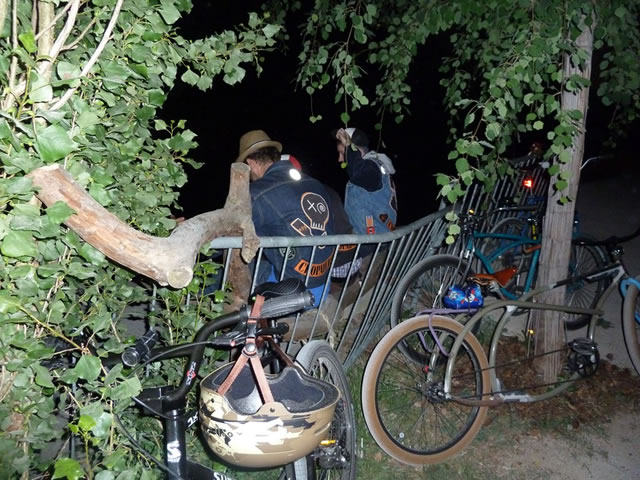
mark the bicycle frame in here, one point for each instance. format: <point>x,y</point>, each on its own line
<point>617,271</point>
<point>515,241</point>
<point>170,402</point>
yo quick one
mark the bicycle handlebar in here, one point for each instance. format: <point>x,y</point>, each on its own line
<point>285,304</point>
<point>272,308</point>
<point>607,242</point>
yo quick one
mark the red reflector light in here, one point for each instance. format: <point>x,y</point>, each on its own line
<point>527,182</point>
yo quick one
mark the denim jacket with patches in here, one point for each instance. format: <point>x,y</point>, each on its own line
<point>370,211</point>
<point>286,207</point>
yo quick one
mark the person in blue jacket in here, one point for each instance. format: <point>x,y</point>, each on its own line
<point>286,206</point>
<point>370,194</point>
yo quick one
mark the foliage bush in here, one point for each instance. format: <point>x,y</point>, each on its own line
<point>83,84</point>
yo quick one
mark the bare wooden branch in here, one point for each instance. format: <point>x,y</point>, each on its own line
<point>4,8</point>
<point>94,57</point>
<point>44,29</point>
<point>44,13</point>
<point>44,68</point>
<point>169,260</point>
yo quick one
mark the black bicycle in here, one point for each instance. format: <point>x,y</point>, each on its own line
<point>260,414</point>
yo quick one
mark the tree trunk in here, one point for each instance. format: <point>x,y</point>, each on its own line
<point>558,224</point>
<point>170,260</point>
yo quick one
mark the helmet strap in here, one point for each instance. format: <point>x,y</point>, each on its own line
<point>250,353</point>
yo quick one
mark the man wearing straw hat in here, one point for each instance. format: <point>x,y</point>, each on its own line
<point>287,206</point>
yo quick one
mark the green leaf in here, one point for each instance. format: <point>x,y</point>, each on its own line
<point>68,468</point>
<point>345,117</point>
<point>19,244</point>
<point>54,143</point>
<point>19,185</point>
<point>538,125</point>
<point>41,90</point>
<point>169,13</point>
<point>59,212</point>
<point>454,229</point>
<point>105,475</point>
<point>270,30</point>
<point>190,77</point>
<point>28,41</point>
<point>470,118</point>
<point>88,367</point>
<point>8,303</point>
<point>70,72</point>
<point>127,389</point>
<point>43,377</point>
<point>86,423</point>
<point>442,179</point>
<point>561,185</point>
<point>493,130</point>
<point>91,254</point>
<point>462,165</point>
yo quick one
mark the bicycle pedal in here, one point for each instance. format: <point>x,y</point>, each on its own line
<point>583,357</point>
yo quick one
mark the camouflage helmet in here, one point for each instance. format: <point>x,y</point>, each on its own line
<point>243,431</point>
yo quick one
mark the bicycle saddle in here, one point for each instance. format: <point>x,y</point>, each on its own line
<point>501,276</point>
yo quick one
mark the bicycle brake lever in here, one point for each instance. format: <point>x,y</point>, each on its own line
<point>232,337</point>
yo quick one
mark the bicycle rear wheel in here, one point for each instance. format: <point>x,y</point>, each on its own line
<point>581,293</point>
<point>425,284</point>
<point>335,458</point>
<point>403,401</point>
<point>631,324</point>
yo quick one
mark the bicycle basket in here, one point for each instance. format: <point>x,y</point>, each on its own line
<point>244,431</point>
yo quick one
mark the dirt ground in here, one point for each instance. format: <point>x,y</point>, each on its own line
<point>610,451</point>
<point>600,438</point>
<point>591,433</point>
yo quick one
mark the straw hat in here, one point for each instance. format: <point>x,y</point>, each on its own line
<point>255,140</point>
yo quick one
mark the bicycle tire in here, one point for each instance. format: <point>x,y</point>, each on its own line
<point>583,259</point>
<point>631,324</point>
<point>389,372</point>
<point>425,284</point>
<point>320,361</point>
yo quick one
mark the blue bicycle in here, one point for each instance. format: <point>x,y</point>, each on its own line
<point>505,260</point>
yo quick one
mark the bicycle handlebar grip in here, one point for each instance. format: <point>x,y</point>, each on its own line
<point>280,306</point>
<point>131,356</point>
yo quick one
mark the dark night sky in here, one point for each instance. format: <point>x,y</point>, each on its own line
<point>220,116</point>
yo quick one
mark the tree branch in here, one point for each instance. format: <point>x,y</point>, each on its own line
<point>94,58</point>
<point>54,21</point>
<point>44,68</point>
<point>169,260</point>
<point>4,7</point>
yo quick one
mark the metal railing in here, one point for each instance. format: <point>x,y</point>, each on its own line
<point>358,306</point>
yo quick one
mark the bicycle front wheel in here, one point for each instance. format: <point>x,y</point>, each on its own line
<point>631,324</point>
<point>425,284</point>
<point>335,458</point>
<point>404,403</point>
